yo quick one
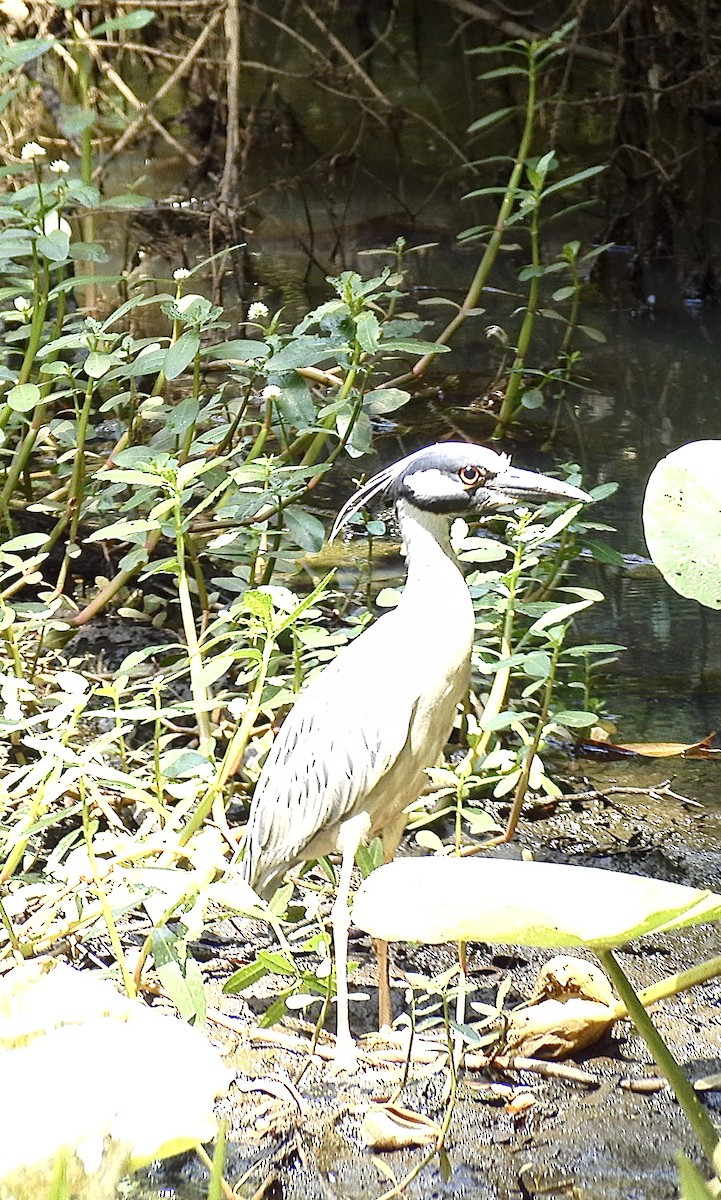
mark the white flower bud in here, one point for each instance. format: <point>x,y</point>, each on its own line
<point>32,150</point>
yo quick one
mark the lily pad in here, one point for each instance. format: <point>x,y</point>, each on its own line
<point>682,520</point>
<point>435,900</point>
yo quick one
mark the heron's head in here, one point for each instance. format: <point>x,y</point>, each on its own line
<point>457,479</point>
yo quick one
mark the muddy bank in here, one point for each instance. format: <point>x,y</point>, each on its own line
<point>512,1134</point>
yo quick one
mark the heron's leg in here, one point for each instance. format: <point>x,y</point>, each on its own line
<point>350,836</point>
<point>385,1004</point>
<point>392,834</point>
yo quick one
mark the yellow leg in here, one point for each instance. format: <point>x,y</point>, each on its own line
<point>385,1006</point>
<point>351,835</point>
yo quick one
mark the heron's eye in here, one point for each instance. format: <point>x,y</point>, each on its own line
<point>470,476</point>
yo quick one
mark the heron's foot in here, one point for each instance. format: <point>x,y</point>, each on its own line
<point>345,1059</point>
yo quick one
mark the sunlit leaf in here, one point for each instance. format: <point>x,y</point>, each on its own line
<point>23,397</point>
<point>682,520</point>
<point>522,903</point>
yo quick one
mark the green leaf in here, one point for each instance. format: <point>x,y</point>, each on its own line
<point>532,398</point>
<point>414,346</point>
<point>367,329</point>
<point>369,857</point>
<point>360,441</point>
<point>570,180</point>
<point>537,664</point>
<point>295,402</point>
<point>562,612</point>
<point>181,354</point>
<point>121,531</point>
<point>604,553</point>
<point>131,200</point>
<point>54,246</point>
<point>500,114</point>
<point>132,20</point>
<point>277,963</point>
<point>241,349</point>
<point>18,54</point>
<point>23,397</point>
<point>593,648</point>
<point>511,902</point>
<point>183,764</point>
<point>86,194</point>
<point>594,335</point>
<point>245,977</point>
<point>74,119</point>
<point>179,975</point>
<point>303,352</point>
<point>304,528</point>
<point>24,541</point>
<point>502,72</point>
<point>96,365</point>
<point>275,1012</point>
<point>384,400</point>
<point>575,719</point>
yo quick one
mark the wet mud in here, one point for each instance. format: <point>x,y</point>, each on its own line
<point>513,1134</point>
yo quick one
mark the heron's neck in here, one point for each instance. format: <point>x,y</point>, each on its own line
<point>431,561</point>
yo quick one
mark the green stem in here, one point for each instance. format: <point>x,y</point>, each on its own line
<point>510,403</point>
<point>236,747</point>
<point>491,252</point>
<point>106,909</point>
<point>680,982</point>
<point>532,750</point>
<point>195,657</point>
<point>683,1090</point>
<point>499,687</point>
<point>77,485</point>
<point>328,423</point>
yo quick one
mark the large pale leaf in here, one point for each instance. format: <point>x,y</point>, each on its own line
<point>521,903</point>
<point>682,520</point>
<point>99,1103</point>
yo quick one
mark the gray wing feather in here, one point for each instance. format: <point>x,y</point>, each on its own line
<point>330,753</point>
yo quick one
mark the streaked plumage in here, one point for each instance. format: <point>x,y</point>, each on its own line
<point>351,754</point>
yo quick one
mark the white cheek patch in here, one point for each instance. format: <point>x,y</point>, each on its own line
<point>433,485</point>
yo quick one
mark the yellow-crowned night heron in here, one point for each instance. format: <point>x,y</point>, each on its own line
<point>350,756</point>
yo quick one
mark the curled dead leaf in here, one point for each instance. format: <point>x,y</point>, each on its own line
<point>564,977</point>
<point>387,1127</point>
<point>557,1028</point>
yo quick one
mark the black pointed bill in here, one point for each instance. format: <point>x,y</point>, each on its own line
<point>512,485</point>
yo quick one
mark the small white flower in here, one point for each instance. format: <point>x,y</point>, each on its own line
<point>32,150</point>
<point>257,310</point>
<point>181,273</point>
<point>59,167</point>
<point>270,392</point>
<point>23,305</point>
<point>52,221</point>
